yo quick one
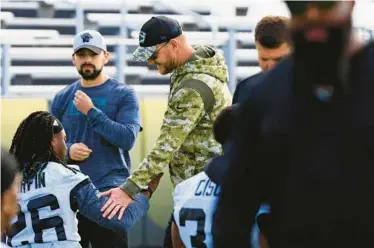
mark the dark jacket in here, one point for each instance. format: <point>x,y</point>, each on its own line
<point>245,87</point>
<point>312,161</point>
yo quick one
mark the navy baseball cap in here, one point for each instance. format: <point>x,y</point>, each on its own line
<point>157,30</point>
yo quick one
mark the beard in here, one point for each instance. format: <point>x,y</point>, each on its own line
<point>321,63</point>
<point>89,74</point>
<point>167,67</point>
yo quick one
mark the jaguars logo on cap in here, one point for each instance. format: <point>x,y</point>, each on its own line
<point>142,36</point>
<point>86,37</point>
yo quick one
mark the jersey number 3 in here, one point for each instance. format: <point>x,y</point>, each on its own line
<point>198,215</point>
<point>38,225</point>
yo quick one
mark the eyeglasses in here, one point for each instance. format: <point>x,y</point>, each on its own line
<point>155,53</point>
<point>299,7</point>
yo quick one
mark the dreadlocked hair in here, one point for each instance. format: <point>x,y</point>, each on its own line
<point>31,144</point>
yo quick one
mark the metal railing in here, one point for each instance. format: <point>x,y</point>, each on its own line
<point>121,48</point>
<point>122,41</point>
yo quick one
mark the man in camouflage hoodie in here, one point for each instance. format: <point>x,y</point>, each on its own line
<point>198,93</point>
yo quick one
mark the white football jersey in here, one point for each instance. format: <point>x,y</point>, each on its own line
<point>46,215</point>
<point>194,205</point>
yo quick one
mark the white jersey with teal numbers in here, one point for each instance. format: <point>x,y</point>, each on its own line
<point>194,205</point>
<point>46,217</point>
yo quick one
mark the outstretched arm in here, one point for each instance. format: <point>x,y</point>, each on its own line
<point>185,110</point>
<point>85,197</point>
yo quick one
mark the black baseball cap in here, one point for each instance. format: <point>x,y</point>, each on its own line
<point>157,30</point>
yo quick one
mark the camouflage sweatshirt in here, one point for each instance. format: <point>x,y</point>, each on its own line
<point>186,141</point>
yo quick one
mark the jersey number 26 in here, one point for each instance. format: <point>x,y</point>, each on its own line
<point>38,225</point>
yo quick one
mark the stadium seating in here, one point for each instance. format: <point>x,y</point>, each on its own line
<point>40,33</point>
<point>244,39</point>
<point>6,16</point>
<point>64,54</point>
<point>203,7</point>
<point>137,20</point>
<point>69,71</point>
<point>13,36</point>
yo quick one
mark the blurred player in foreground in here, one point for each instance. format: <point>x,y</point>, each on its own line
<point>303,142</point>
<point>10,181</point>
<point>52,192</point>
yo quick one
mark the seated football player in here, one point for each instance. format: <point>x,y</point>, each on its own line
<point>52,192</point>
